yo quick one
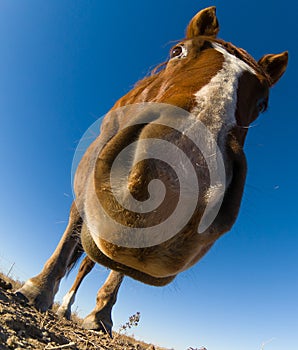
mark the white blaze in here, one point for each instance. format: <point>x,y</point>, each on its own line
<point>216,105</point>
<point>216,102</point>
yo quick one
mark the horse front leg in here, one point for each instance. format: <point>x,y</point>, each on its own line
<point>100,318</point>
<point>41,289</point>
<point>65,308</point>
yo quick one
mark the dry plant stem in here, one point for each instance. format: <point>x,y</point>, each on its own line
<point>105,329</point>
<point>71,344</point>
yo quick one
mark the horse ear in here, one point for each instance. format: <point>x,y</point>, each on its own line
<point>274,65</point>
<point>203,23</point>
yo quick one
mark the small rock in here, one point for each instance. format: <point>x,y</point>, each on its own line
<point>5,285</point>
<point>21,333</point>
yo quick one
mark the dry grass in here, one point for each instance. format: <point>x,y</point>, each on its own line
<point>23,327</point>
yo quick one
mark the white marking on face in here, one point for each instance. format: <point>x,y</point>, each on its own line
<point>216,105</point>
<point>216,102</point>
<point>232,58</point>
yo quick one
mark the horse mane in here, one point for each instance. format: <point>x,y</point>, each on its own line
<point>152,74</point>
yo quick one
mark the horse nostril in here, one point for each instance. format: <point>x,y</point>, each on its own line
<point>139,180</point>
<point>152,177</point>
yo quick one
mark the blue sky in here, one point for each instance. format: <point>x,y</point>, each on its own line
<point>63,64</point>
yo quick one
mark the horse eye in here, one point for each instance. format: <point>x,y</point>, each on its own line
<point>178,51</point>
<point>262,105</point>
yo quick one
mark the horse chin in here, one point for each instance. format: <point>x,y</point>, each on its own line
<point>98,256</point>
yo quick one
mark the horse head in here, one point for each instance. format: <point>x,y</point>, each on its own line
<point>201,102</point>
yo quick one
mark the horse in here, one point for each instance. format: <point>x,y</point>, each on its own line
<point>201,101</point>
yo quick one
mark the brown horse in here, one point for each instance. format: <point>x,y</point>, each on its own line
<point>201,101</point>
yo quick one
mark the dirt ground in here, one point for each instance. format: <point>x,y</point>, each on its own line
<point>23,327</point>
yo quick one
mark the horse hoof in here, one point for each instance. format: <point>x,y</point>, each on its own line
<point>31,295</point>
<point>21,297</point>
<point>97,325</point>
<point>63,313</point>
